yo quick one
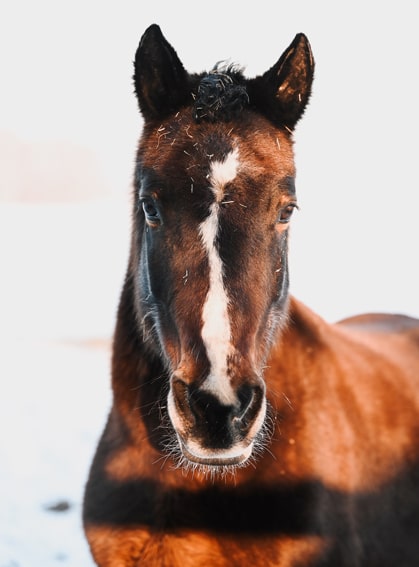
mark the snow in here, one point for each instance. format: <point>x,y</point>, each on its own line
<point>49,429</point>
<point>57,308</point>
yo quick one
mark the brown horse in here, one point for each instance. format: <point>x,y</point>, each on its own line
<point>245,430</point>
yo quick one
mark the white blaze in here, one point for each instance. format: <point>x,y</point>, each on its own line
<point>216,330</point>
<point>222,172</point>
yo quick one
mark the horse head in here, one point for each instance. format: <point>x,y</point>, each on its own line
<point>214,194</point>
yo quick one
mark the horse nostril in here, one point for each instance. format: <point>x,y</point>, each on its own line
<point>245,396</point>
<point>181,398</point>
<point>200,404</point>
<point>207,408</point>
<point>250,403</point>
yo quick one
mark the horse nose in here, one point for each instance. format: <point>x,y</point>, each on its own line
<point>220,424</point>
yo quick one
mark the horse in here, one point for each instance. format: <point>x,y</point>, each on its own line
<point>244,428</point>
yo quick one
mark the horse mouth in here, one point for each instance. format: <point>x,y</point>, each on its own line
<point>216,460</point>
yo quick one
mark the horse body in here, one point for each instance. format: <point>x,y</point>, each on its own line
<point>245,430</point>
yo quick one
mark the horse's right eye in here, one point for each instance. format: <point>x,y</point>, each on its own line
<point>150,211</point>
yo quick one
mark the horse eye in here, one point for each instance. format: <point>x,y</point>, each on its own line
<point>285,214</point>
<point>150,210</point>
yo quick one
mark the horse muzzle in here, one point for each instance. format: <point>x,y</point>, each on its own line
<point>211,432</point>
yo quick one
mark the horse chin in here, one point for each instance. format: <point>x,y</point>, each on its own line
<point>226,459</point>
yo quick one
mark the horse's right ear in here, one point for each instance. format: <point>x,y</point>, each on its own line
<point>161,82</point>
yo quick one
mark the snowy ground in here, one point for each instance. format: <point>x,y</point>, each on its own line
<point>58,299</point>
<point>49,427</point>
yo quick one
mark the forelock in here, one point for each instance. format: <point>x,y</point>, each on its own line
<point>221,94</point>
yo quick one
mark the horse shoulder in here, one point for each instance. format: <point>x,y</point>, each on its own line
<point>369,340</point>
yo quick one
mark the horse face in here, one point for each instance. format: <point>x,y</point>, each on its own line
<point>215,193</point>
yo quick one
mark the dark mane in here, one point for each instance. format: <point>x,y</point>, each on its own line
<point>221,94</point>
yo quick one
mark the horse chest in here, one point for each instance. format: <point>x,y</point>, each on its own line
<point>198,549</point>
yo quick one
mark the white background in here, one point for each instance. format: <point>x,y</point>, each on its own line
<point>68,129</point>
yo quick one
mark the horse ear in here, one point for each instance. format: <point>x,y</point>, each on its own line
<point>160,79</point>
<point>282,93</point>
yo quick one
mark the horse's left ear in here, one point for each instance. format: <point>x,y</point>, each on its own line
<point>282,93</point>
<point>161,82</point>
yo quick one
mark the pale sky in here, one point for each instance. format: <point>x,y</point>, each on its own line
<point>67,104</point>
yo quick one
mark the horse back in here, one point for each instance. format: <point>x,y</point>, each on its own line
<point>383,323</point>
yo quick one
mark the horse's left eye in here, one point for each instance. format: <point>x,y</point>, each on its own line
<point>285,213</point>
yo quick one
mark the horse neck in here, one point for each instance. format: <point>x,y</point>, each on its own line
<point>304,326</point>
<point>299,351</point>
<point>133,360</point>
